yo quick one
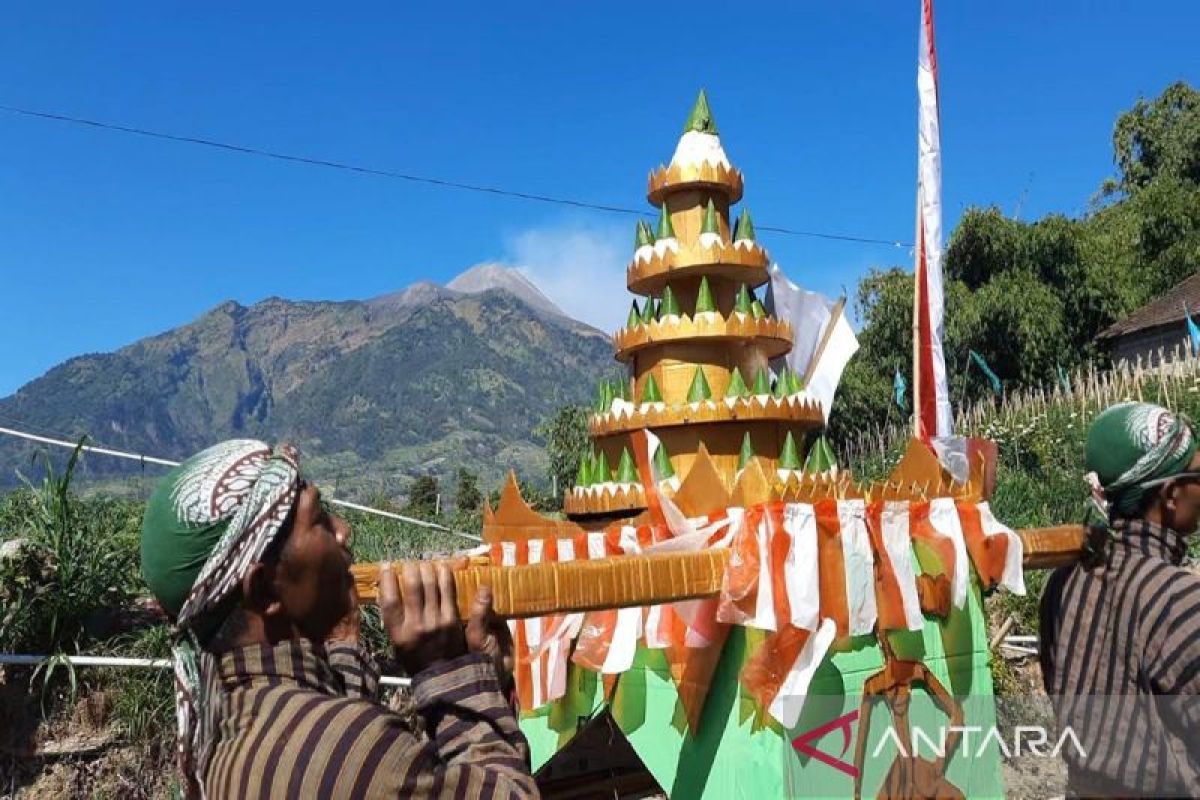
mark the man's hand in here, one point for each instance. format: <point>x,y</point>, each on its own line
<point>422,621</point>
<point>489,635</point>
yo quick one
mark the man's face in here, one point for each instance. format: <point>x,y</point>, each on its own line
<point>1182,511</point>
<point>313,579</point>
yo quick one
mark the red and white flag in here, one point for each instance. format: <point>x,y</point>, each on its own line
<point>932,417</point>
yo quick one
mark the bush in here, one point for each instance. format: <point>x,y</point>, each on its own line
<point>67,564</point>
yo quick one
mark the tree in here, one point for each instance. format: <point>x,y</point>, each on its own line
<point>1158,139</point>
<point>423,496</point>
<point>566,437</point>
<point>467,497</point>
<point>1029,296</point>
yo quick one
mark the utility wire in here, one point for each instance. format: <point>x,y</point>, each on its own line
<point>106,451</point>
<point>387,173</point>
<point>29,660</point>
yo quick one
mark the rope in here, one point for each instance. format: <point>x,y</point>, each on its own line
<point>106,451</point>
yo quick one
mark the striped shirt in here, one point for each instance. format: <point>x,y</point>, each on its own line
<point>295,720</point>
<point>1120,653</point>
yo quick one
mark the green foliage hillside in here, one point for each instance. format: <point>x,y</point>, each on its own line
<point>373,393</point>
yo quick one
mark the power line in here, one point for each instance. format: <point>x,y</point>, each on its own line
<point>107,451</point>
<point>387,173</point>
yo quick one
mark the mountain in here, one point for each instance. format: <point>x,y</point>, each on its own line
<point>423,380</point>
<point>484,277</point>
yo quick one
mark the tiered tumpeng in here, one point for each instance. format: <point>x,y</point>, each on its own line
<point>697,344</point>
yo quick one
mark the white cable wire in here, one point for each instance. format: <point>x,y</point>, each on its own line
<point>116,661</point>
<point>104,451</point>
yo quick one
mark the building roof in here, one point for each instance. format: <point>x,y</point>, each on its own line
<point>1163,310</point>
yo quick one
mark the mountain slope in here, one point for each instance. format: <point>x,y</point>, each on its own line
<point>371,391</point>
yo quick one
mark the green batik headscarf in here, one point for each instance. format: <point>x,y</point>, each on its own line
<point>1132,448</point>
<point>207,522</point>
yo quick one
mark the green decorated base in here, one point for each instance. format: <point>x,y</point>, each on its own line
<point>737,756</point>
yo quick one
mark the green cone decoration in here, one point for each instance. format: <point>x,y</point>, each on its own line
<point>650,392</point>
<point>794,383</point>
<point>600,471</point>
<point>584,478</point>
<point>744,300</point>
<point>699,391</point>
<point>701,119</point>
<point>600,387</point>
<point>789,456</point>
<point>635,316</point>
<point>747,452</point>
<point>669,305</point>
<point>711,223</point>
<point>620,389</point>
<point>648,312</point>
<point>704,298</point>
<point>737,386</point>
<point>757,311</point>
<point>662,464</point>
<point>626,469</point>
<point>820,457</point>
<point>607,395</point>
<point>665,229</point>
<point>781,383</point>
<point>745,227</point>
<point>762,382</point>
<point>644,236</point>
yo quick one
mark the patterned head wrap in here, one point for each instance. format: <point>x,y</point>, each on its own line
<point>207,522</point>
<point>1133,448</point>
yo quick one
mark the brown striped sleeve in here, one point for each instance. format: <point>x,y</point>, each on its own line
<point>356,668</point>
<point>474,729</point>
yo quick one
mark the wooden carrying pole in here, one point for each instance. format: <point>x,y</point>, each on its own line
<point>559,588</point>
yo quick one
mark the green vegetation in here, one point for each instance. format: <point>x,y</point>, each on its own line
<point>1074,276</point>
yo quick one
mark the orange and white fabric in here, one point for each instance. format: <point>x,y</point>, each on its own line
<point>805,574</point>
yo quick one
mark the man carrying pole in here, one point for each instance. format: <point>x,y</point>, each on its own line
<point>274,695</point>
<point>1120,631</point>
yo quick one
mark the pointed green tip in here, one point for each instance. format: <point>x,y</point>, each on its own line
<point>781,383</point>
<point>626,470</point>
<point>762,382</point>
<point>650,391</point>
<point>794,383</point>
<point>744,300</point>
<point>583,478</point>
<point>622,388</point>
<point>665,229</point>
<point>737,386</point>
<point>745,227</point>
<point>757,311</point>
<point>747,451</point>
<point>649,312</point>
<point>699,390</point>
<point>603,397</point>
<point>711,220</point>
<point>704,298</point>
<point>600,470</point>
<point>701,118</point>
<point>669,305</point>
<point>789,456</point>
<point>635,315</point>
<point>662,464</point>
<point>644,236</point>
<point>820,457</point>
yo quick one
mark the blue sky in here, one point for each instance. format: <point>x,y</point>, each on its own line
<point>107,238</point>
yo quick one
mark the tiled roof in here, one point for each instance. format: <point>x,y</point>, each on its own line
<point>1162,310</point>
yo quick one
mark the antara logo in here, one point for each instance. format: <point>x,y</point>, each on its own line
<point>1027,740</point>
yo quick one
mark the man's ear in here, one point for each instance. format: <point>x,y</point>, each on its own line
<point>258,590</point>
